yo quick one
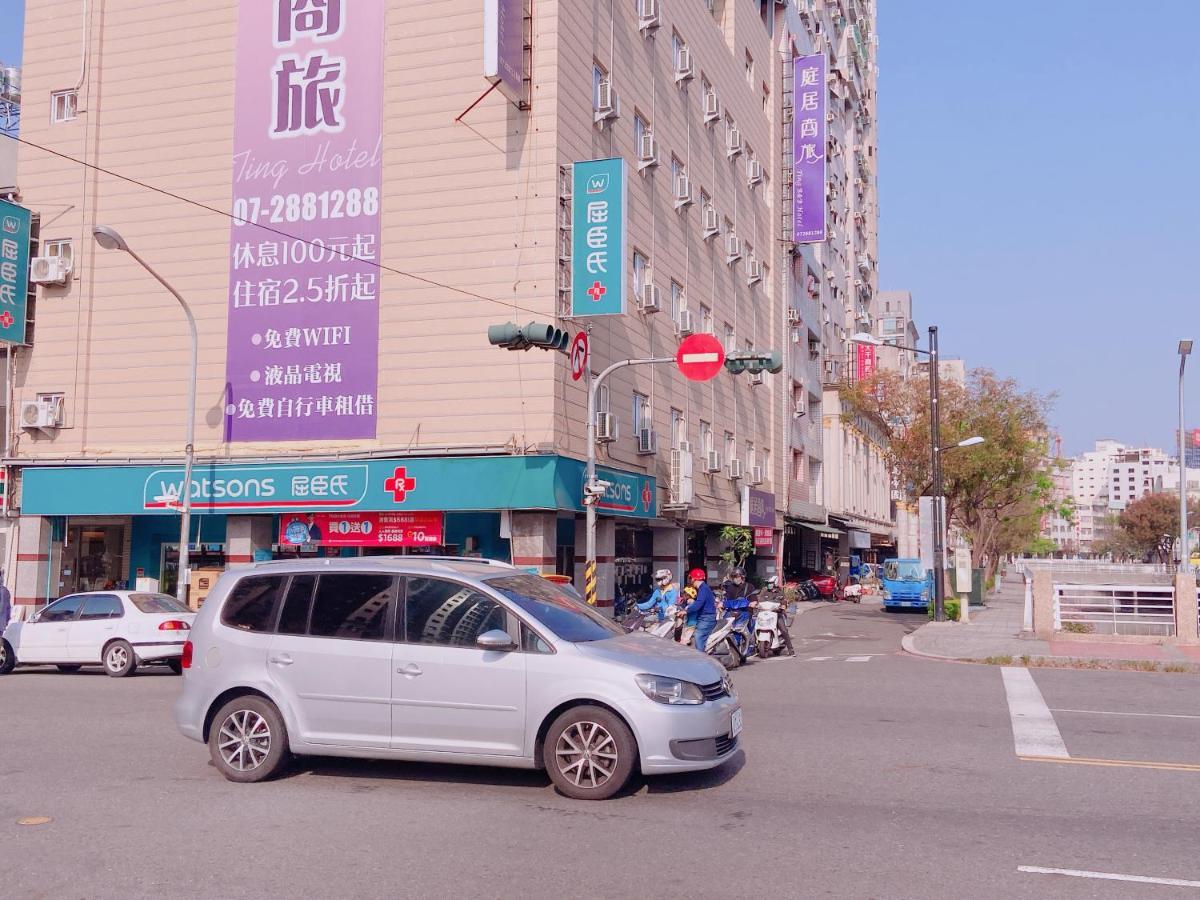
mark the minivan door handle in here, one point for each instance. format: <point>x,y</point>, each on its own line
<point>283,659</point>
<point>411,670</point>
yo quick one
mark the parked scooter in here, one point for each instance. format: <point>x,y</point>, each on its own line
<point>767,636</point>
<point>851,591</point>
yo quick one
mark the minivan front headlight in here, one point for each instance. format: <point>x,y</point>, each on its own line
<point>671,691</point>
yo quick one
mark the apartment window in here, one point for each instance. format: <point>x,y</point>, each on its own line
<point>61,248</point>
<point>749,68</point>
<point>641,413</point>
<point>640,127</point>
<point>676,300</point>
<point>598,74</point>
<point>678,429</point>
<point>706,438</point>
<point>706,320</point>
<point>766,97</point>
<point>726,227</point>
<point>766,465</point>
<point>64,106</point>
<point>677,46</point>
<point>730,447</point>
<point>751,455</point>
<point>730,339</point>
<point>676,170</point>
<point>640,265</point>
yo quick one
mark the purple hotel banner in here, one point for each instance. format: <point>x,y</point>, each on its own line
<point>808,142</point>
<point>303,339</point>
<point>504,46</point>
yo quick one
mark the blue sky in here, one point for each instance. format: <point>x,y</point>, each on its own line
<point>1038,195</point>
<point>1038,191</point>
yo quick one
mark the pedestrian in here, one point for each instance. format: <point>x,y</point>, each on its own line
<point>704,607</point>
<point>5,603</point>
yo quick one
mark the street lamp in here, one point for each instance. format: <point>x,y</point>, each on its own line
<point>939,551</point>
<point>1185,559</point>
<point>110,239</point>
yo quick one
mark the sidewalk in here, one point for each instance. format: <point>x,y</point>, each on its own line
<point>994,634</point>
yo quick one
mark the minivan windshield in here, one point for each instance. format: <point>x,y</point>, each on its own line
<point>568,619</point>
<point>903,570</point>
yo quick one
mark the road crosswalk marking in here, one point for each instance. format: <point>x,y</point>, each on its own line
<point>867,658</point>
<point>1035,732</point>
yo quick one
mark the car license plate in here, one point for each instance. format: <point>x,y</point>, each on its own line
<point>735,727</point>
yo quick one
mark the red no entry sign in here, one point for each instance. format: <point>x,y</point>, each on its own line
<point>700,357</point>
<point>579,355</point>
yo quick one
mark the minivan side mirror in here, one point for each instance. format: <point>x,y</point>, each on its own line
<point>496,639</point>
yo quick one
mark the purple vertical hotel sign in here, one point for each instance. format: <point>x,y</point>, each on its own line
<point>808,143</point>
<point>303,340</point>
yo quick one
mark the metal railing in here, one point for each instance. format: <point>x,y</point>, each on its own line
<point>1146,609</point>
<point>1092,566</point>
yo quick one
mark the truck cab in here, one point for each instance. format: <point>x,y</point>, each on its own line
<point>906,584</point>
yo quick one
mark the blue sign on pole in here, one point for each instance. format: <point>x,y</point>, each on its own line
<point>598,238</point>
<point>14,271</point>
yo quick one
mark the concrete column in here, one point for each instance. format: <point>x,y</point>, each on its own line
<point>670,550</point>
<point>1186,608</point>
<point>38,563</point>
<point>535,540</point>
<point>244,536</point>
<point>1043,604</point>
<point>606,551</point>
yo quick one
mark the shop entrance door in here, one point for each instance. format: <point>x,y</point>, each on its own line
<point>94,558</point>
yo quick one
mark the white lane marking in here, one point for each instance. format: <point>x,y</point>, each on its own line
<point>1034,730</point>
<point>858,659</point>
<point>1105,712</point>
<point>1109,876</point>
<point>818,658</point>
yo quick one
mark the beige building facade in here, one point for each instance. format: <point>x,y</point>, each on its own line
<point>474,213</point>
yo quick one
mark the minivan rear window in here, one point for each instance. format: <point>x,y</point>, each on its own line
<point>568,619</point>
<point>251,604</point>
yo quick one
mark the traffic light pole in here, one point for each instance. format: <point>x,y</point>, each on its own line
<point>592,489</point>
<point>935,441</point>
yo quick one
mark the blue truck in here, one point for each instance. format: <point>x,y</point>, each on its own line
<point>906,584</point>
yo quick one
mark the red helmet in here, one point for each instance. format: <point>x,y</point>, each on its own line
<point>697,575</point>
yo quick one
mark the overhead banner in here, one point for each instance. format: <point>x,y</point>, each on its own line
<point>364,529</point>
<point>504,47</point>
<point>303,340</point>
<point>808,142</point>
<point>14,271</point>
<point>598,238</point>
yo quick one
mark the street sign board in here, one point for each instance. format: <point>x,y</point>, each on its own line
<point>700,357</point>
<point>598,238</point>
<point>14,271</point>
<point>579,355</point>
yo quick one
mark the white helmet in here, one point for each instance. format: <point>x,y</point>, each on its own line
<point>663,575</point>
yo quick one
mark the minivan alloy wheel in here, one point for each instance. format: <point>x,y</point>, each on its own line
<point>587,754</point>
<point>245,740</point>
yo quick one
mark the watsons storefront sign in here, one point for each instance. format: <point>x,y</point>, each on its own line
<point>382,485</point>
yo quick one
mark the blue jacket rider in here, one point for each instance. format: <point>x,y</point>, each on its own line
<point>665,595</point>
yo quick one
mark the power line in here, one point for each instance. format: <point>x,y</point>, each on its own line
<point>291,237</point>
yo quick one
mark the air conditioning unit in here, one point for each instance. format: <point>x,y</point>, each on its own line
<point>793,316</point>
<point>713,462</point>
<point>712,107</point>
<point>607,102</point>
<point>606,427</point>
<point>733,142</point>
<point>647,442</point>
<point>736,469</point>
<point>814,348</point>
<point>754,171</point>
<point>733,248</point>
<point>684,325</point>
<point>648,18</point>
<point>683,191</point>
<point>753,271</point>
<point>831,368</point>
<point>43,414</point>
<point>651,298</point>
<point>799,411</point>
<point>49,270</point>
<point>647,152</point>
<point>758,378</point>
<point>756,475</point>
<point>711,226</point>
<point>685,447</point>
<point>682,487</point>
<point>683,66</point>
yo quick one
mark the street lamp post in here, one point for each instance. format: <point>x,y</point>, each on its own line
<point>110,239</point>
<point>1185,559</point>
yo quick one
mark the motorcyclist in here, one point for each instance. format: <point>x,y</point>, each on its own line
<point>666,595</point>
<point>704,607</point>
<point>738,595</point>
<point>775,593</point>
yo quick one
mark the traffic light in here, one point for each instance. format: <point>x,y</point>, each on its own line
<point>512,336</point>
<point>754,363</point>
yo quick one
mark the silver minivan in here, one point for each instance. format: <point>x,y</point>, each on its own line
<point>443,660</point>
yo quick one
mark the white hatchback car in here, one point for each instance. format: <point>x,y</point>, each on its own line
<point>115,629</point>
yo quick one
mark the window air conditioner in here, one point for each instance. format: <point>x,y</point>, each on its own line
<point>713,463</point>
<point>733,142</point>
<point>606,427</point>
<point>753,271</point>
<point>712,107</point>
<point>683,191</point>
<point>43,414</point>
<point>754,171</point>
<point>647,151</point>
<point>736,469</point>
<point>607,101</point>
<point>49,270</point>
<point>647,442</point>
<point>683,66</point>
<point>711,226</point>
<point>682,486</point>
<point>793,315</point>
<point>651,302</point>
<point>648,17</point>
<point>733,248</point>
<point>685,326</point>
<point>756,475</point>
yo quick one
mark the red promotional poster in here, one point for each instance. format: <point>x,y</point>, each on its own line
<point>764,537</point>
<point>362,529</point>
<point>866,362</point>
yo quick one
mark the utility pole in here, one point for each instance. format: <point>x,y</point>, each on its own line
<point>935,440</point>
<point>1185,559</point>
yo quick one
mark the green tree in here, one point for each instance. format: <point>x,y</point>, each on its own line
<point>1150,525</point>
<point>739,544</point>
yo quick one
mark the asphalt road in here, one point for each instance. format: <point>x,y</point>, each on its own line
<point>865,773</point>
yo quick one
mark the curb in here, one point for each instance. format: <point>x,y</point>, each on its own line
<point>1068,662</point>
<point>908,646</point>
